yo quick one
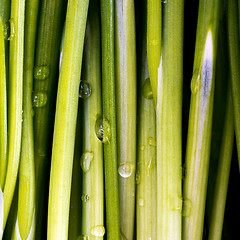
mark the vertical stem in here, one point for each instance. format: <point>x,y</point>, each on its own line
<point>65,120</point>
<point>169,124</point>
<point>109,113</point>
<point>125,46</point>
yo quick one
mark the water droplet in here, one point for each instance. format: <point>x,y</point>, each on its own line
<point>86,160</point>
<point>84,89</point>
<point>138,177</point>
<point>141,202</point>
<point>39,99</point>
<point>195,83</point>
<point>152,142</point>
<point>186,207</point>
<point>41,72</point>
<point>164,1</point>
<point>9,30</point>
<point>85,198</point>
<point>147,89</point>
<point>142,147</point>
<point>125,170</point>
<point>98,231</point>
<point>83,237</point>
<point>102,129</point>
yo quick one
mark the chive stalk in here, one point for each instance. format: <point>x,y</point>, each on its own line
<point>146,172</point>
<point>92,157</point>
<point>65,120</point>
<point>154,35</point>
<point>15,104</point>
<point>200,120</point>
<point>109,123</point>
<point>220,192</point>
<point>169,122</point>
<point>51,17</point>
<point>234,59</point>
<point>125,62</point>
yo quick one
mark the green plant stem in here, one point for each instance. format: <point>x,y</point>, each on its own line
<point>146,152</point>
<point>92,158</point>
<point>169,122</point>
<point>125,62</point>
<point>46,70</point>
<point>15,104</point>
<point>25,225</point>
<point>65,120</point>
<point>3,110</point>
<point>154,35</point>
<point>200,119</point>
<point>234,58</point>
<point>220,193</point>
<point>109,113</point>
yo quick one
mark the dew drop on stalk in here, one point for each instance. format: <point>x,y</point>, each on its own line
<point>152,142</point>
<point>39,99</point>
<point>85,197</point>
<point>138,177</point>
<point>125,170</point>
<point>195,83</point>
<point>86,160</point>
<point>98,231</point>
<point>142,147</point>
<point>141,202</point>
<point>83,237</point>
<point>9,30</point>
<point>102,129</point>
<point>147,89</point>
<point>84,89</point>
<point>186,207</point>
<point>41,72</point>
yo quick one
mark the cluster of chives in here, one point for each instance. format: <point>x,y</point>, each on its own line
<point>92,102</point>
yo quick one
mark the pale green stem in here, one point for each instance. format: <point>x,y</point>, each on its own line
<point>109,117</point>
<point>220,192</point>
<point>125,62</point>
<point>92,158</point>
<point>169,124</point>
<point>3,110</point>
<point>154,35</point>
<point>146,205</point>
<point>15,103</point>
<point>234,59</point>
<point>65,120</point>
<point>200,120</point>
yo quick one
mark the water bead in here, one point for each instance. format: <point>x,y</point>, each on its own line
<point>9,30</point>
<point>85,198</point>
<point>125,170</point>
<point>40,99</point>
<point>84,89</point>
<point>147,89</point>
<point>86,160</point>
<point>102,129</point>
<point>98,231</point>
<point>41,72</point>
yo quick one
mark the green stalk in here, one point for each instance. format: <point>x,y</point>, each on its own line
<point>125,62</point>
<point>169,122</point>
<point>65,120</point>
<point>220,193</point>
<point>15,104</point>
<point>109,120</point>
<point>45,87</point>
<point>200,120</point>
<point>92,158</point>
<point>25,225</point>
<point>146,152</point>
<point>234,56</point>
<point>154,35</point>
<point>3,110</point>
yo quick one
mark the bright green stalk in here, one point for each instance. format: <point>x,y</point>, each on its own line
<point>46,72</point>
<point>169,124</point>
<point>65,120</point>
<point>146,161</point>
<point>3,110</point>
<point>109,114</point>
<point>92,158</point>
<point>154,35</point>
<point>234,56</point>
<point>125,62</point>
<point>220,193</point>
<point>25,225</point>
<point>200,120</point>
<point>15,104</point>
